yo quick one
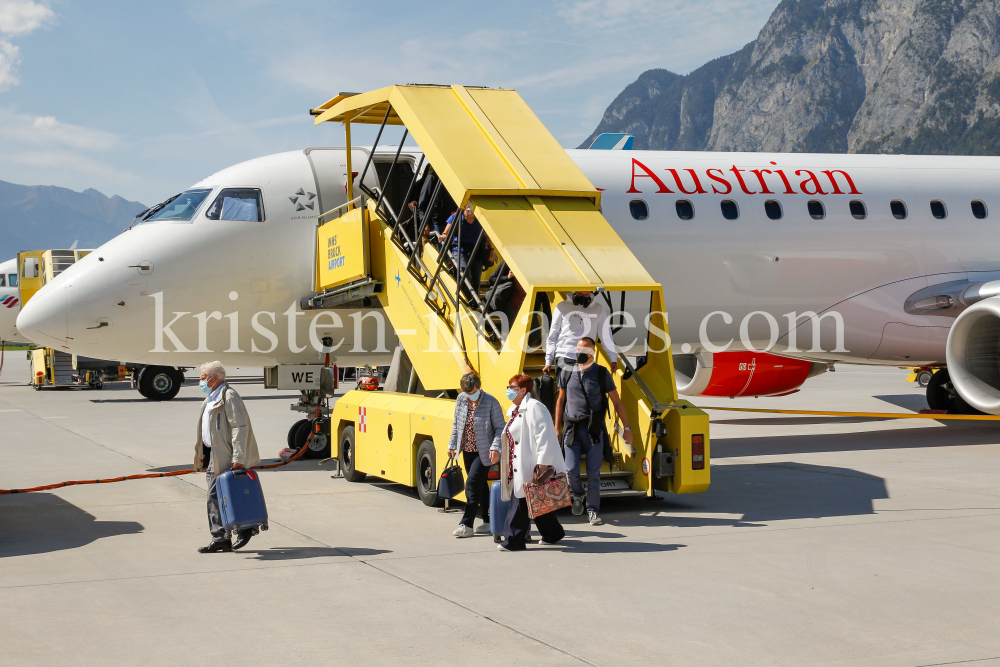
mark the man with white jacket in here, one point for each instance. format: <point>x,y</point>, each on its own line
<point>529,439</point>
<point>224,442</point>
<point>579,315</point>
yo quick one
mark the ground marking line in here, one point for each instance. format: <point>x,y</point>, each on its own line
<point>960,662</point>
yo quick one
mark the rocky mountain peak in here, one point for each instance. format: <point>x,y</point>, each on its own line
<point>870,76</point>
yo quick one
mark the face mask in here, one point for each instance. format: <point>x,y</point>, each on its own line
<point>475,396</point>
<point>582,357</point>
<point>512,394</point>
<point>205,389</point>
<point>581,300</point>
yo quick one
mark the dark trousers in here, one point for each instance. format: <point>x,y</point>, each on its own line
<point>214,513</point>
<point>548,526</point>
<point>475,271</point>
<point>477,493</point>
<point>577,443</point>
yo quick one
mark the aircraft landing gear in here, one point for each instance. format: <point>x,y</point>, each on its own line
<point>159,383</point>
<point>941,395</point>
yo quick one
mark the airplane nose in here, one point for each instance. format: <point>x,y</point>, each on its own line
<point>43,319</point>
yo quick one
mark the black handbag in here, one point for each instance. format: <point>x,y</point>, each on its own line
<point>452,482</point>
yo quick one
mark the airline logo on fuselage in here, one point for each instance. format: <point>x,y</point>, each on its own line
<point>750,181</point>
<point>9,301</point>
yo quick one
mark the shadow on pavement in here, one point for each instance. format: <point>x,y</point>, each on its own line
<point>298,553</point>
<point>956,434</point>
<point>757,493</point>
<point>573,546</point>
<point>43,523</point>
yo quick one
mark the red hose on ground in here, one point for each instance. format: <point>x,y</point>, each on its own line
<point>175,473</point>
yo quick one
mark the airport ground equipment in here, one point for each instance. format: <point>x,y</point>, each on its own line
<point>542,218</point>
<point>922,375</point>
<point>52,367</point>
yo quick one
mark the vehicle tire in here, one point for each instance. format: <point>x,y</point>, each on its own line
<point>426,473</point>
<point>924,378</point>
<point>346,456</point>
<point>293,430</point>
<point>160,383</point>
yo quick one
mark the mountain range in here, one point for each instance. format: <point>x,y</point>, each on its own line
<point>858,76</point>
<point>36,217</point>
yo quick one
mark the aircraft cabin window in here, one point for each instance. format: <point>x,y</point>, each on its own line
<point>938,210</point>
<point>12,278</point>
<point>730,210</point>
<point>685,209</point>
<point>858,209</point>
<point>773,209</point>
<point>979,209</point>
<point>638,209</point>
<point>237,204</point>
<point>816,209</point>
<point>180,208</point>
<point>898,209</point>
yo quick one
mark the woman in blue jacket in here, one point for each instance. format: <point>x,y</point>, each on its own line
<point>476,431</point>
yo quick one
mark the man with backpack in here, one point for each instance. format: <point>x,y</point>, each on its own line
<point>584,390</point>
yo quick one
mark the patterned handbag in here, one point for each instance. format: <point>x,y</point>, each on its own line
<point>549,495</point>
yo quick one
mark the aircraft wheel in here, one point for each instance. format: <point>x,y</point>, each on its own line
<point>319,446</point>
<point>347,456</point>
<point>426,470</point>
<point>924,378</point>
<point>160,383</point>
<point>941,395</point>
<point>293,430</point>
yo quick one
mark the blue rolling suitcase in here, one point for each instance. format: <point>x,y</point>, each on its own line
<point>498,511</point>
<point>241,500</point>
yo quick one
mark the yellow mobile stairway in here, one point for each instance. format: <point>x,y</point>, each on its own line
<point>542,218</point>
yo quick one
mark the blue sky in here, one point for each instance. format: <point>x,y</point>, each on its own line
<point>142,99</point>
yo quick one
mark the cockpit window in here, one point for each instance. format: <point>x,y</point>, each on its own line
<point>237,204</point>
<point>12,279</point>
<point>180,208</point>
<point>3,281</point>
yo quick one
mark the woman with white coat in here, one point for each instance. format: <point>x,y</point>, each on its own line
<point>529,439</point>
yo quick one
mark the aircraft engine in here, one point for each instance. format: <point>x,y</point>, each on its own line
<point>973,354</point>
<point>732,374</point>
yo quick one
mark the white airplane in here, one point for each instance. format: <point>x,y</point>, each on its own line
<point>817,258</point>
<point>10,303</point>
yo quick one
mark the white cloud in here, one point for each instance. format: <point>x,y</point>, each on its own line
<point>10,57</point>
<point>47,132</point>
<point>19,17</point>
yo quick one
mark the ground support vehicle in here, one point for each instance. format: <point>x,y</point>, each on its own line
<point>52,368</point>
<point>542,217</point>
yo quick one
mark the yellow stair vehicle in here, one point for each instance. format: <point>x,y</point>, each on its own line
<point>543,219</point>
<point>51,367</point>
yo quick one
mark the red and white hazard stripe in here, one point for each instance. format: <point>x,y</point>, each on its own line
<point>362,419</point>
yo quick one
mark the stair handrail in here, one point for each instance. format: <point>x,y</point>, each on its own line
<point>319,220</point>
<point>656,406</point>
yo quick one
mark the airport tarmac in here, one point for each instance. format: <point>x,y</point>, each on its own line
<point>822,541</point>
